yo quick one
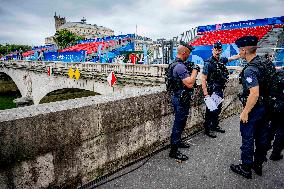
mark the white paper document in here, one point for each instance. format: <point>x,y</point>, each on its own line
<point>217,99</point>
<point>212,102</point>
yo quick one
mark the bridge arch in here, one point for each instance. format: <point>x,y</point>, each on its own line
<point>50,84</point>
<point>18,80</point>
<point>66,94</point>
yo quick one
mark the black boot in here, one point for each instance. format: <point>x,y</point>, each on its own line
<point>219,129</point>
<point>210,134</point>
<point>174,153</point>
<point>241,169</point>
<point>184,145</point>
<point>276,156</point>
<point>257,167</point>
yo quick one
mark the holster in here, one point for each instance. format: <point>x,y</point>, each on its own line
<point>185,97</point>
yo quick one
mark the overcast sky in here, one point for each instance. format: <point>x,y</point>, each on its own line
<point>30,21</point>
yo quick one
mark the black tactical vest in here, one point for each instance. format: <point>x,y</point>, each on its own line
<point>264,77</point>
<point>173,83</point>
<point>218,74</point>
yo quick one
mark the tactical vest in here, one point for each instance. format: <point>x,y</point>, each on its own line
<point>173,83</point>
<point>219,74</point>
<point>265,77</point>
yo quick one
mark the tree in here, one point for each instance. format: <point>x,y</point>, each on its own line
<point>10,48</point>
<point>64,38</point>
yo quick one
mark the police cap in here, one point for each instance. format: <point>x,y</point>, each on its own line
<point>218,45</point>
<point>190,47</point>
<point>247,41</point>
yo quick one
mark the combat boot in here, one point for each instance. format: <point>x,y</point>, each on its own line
<point>276,156</point>
<point>174,153</point>
<point>210,134</point>
<point>257,167</point>
<point>219,129</point>
<point>241,169</point>
<point>184,145</point>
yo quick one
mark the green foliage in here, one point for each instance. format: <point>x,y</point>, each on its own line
<point>6,100</point>
<point>10,48</point>
<point>65,38</point>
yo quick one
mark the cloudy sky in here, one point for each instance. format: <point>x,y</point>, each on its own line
<point>30,21</point>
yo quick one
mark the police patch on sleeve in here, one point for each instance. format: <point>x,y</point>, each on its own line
<point>249,79</point>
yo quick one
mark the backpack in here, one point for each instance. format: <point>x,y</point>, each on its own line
<point>277,92</point>
<point>172,84</point>
<point>271,83</point>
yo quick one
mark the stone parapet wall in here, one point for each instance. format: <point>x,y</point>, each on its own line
<point>68,143</point>
<point>90,67</point>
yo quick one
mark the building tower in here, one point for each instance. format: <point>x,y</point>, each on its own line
<point>59,21</point>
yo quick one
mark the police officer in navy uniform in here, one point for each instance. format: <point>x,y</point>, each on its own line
<point>253,126</point>
<point>276,120</point>
<point>180,97</point>
<point>214,77</point>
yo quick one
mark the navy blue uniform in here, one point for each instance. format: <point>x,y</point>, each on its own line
<point>181,110</point>
<point>276,120</point>
<point>255,131</point>
<point>216,82</point>
<point>277,131</point>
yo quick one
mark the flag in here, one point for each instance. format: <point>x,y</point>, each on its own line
<point>71,73</point>
<point>111,79</point>
<point>133,58</point>
<point>77,74</point>
<point>49,70</point>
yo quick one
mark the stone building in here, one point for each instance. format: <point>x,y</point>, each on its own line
<point>81,28</point>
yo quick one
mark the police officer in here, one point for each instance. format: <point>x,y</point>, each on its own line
<point>214,77</point>
<point>180,97</point>
<point>276,120</point>
<point>253,126</point>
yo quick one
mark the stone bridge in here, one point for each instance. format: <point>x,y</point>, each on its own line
<point>33,81</point>
<point>70,143</point>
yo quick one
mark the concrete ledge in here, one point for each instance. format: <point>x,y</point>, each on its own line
<point>66,143</point>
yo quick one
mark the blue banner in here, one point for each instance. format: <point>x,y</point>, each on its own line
<point>279,58</point>
<point>241,24</point>
<point>201,53</point>
<point>65,56</point>
<point>48,47</point>
<point>108,38</point>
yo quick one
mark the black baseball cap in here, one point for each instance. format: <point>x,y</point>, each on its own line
<point>190,47</point>
<point>246,41</point>
<point>218,45</point>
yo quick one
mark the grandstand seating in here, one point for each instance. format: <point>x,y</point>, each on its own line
<point>90,47</point>
<point>229,36</point>
<point>28,53</point>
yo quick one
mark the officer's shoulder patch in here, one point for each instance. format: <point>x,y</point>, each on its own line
<point>249,79</point>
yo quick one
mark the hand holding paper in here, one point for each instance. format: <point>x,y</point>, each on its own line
<point>212,102</point>
<point>211,105</point>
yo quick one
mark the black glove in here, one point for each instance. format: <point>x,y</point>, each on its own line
<point>196,67</point>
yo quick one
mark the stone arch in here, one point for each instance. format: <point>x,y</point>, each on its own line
<point>75,92</point>
<point>42,92</point>
<point>15,78</point>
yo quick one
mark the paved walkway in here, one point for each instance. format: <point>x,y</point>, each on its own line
<point>207,167</point>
